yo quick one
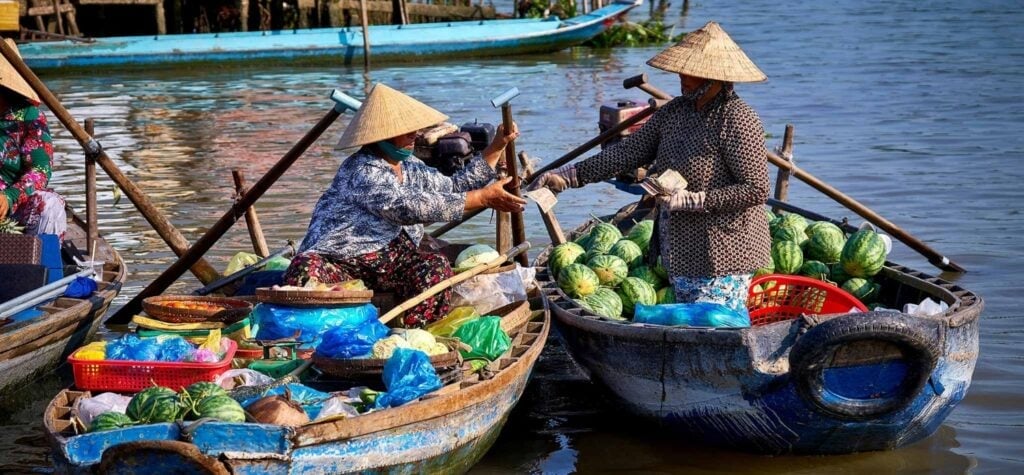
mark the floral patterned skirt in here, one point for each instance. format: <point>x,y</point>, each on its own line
<point>400,268</point>
<point>728,290</point>
<point>43,213</point>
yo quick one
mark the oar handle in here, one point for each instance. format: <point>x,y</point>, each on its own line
<point>455,279</point>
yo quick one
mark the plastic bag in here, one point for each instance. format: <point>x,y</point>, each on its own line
<point>486,337</point>
<point>351,339</point>
<point>235,378</point>
<point>700,314</point>
<point>240,261</point>
<point>277,263</point>
<point>408,375</point>
<point>87,408</point>
<point>927,308</point>
<point>338,405</point>
<point>80,288</point>
<point>451,322</point>
<point>277,321</point>
<point>132,348</point>
<point>175,349</point>
<point>312,401</point>
<point>486,292</point>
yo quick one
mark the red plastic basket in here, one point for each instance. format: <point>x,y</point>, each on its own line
<point>134,376</point>
<point>791,296</point>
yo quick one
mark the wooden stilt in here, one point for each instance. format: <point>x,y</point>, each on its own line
<point>252,221</point>
<point>91,213</point>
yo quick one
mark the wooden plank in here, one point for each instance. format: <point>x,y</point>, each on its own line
<point>422,9</point>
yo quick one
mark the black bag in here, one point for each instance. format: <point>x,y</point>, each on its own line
<point>451,152</point>
<point>481,135</point>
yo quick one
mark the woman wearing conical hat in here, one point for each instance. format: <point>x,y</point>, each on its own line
<point>713,234</point>
<point>369,223</point>
<point>26,159</point>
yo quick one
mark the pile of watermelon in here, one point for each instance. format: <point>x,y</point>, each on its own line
<point>821,250</point>
<point>159,404</point>
<point>607,273</point>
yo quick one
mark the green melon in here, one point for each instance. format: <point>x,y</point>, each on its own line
<point>768,269</point>
<point>660,269</point>
<point>863,289</point>
<point>606,303</point>
<point>610,270</point>
<point>155,404</point>
<point>641,234</point>
<point>864,254</point>
<point>666,295</point>
<point>222,408</point>
<point>634,291</point>
<point>826,245</point>
<point>816,226</point>
<point>648,275</point>
<point>789,233</point>
<point>592,254</point>
<point>109,421</point>
<point>577,280</point>
<point>562,255</point>
<point>628,251</point>
<point>603,236</point>
<point>787,257</point>
<point>837,275</point>
<point>203,389</point>
<point>815,270</point>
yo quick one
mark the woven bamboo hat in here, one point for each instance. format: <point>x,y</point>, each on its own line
<point>708,53</point>
<point>387,113</point>
<point>10,78</point>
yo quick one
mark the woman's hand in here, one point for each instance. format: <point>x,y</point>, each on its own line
<point>494,196</point>
<point>501,139</point>
<point>556,180</point>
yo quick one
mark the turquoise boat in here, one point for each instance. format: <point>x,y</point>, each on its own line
<point>332,45</point>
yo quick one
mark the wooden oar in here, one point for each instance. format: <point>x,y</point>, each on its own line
<point>228,279</point>
<point>934,257</point>
<point>455,279</point>
<point>564,159</point>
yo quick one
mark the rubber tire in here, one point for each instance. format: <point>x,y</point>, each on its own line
<point>807,358</point>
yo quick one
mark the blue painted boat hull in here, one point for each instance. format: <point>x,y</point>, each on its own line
<point>333,45</point>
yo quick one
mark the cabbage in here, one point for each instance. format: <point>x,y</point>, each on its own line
<point>420,339</point>
<point>385,347</point>
<point>438,349</point>
<point>475,255</point>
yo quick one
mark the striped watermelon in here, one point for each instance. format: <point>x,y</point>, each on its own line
<point>155,404</point>
<point>610,270</point>
<point>564,254</point>
<point>660,269</point>
<point>826,243</point>
<point>863,289</point>
<point>787,257</point>
<point>578,280</point>
<point>603,237</point>
<point>109,421</point>
<point>628,251</point>
<point>864,254</point>
<point>648,275</point>
<point>666,295</point>
<point>222,408</point>
<point>634,291</point>
<point>606,303</point>
<point>837,275</point>
<point>815,270</point>
<point>204,389</point>
<point>641,234</point>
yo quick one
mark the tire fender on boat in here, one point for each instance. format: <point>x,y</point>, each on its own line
<point>810,355</point>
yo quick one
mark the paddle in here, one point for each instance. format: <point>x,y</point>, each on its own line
<point>934,257</point>
<point>455,279</point>
<point>223,281</point>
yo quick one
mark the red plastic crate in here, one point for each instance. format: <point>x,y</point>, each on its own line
<point>134,376</point>
<point>794,295</point>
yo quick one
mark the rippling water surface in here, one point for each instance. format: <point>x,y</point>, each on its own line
<point>911,107</point>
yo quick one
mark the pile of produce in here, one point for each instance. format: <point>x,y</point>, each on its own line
<point>159,404</point>
<point>607,273</point>
<point>10,226</point>
<point>821,250</point>
<point>411,338</point>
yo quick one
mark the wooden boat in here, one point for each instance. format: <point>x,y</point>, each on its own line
<point>446,431</point>
<point>38,344</point>
<point>415,42</point>
<point>824,384</point>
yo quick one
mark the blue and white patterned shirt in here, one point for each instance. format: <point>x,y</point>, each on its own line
<point>366,206</point>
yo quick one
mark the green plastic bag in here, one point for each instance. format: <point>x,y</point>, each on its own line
<point>277,263</point>
<point>486,337</point>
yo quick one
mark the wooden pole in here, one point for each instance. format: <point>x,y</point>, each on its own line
<point>56,13</point>
<point>524,160</point>
<point>161,19</point>
<point>225,222</point>
<point>91,214</point>
<point>202,269</point>
<point>366,35</point>
<point>252,221</point>
<point>564,159</point>
<point>518,226</point>
<point>782,178</point>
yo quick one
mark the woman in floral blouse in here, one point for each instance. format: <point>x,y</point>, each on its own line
<point>369,222</point>
<point>713,234</point>
<point>26,159</point>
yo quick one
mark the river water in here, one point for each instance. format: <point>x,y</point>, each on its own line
<point>912,108</point>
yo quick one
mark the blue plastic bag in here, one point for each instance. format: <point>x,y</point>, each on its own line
<point>312,401</point>
<point>700,314</point>
<point>351,339</point>
<point>132,348</point>
<point>80,288</point>
<point>175,349</point>
<point>408,375</point>
<point>277,321</point>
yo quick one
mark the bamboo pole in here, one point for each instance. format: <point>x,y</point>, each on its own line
<point>229,218</point>
<point>366,35</point>
<point>518,227</point>
<point>91,213</point>
<point>252,221</point>
<point>782,178</point>
<point>202,269</point>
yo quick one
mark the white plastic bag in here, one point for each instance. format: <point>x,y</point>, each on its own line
<point>927,308</point>
<point>338,405</point>
<point>234,378</point>
<point>486,292</point>
<point>86,409</point>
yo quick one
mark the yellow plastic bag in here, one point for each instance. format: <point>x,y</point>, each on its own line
<point>212,342</point>
<point>93,351</point>
<point>451,322</point>
<point>241,261</point>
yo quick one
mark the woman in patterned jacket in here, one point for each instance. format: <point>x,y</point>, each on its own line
<point>369,223</point>
<point>713,234</point>
<point>26,159</point>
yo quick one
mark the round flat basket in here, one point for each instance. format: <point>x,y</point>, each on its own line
<point>357,368</point>
<point>176,309</point>
<point>313,298</point>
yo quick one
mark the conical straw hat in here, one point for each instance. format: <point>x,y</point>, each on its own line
<point>708,53</point>
<point>387,113</point>
<point>10,78</point>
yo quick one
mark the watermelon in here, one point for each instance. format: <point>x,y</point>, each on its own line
<point>222,408</point>
<point>592,254</point>
<point>794,220</point>
<point>648,275</point>
<point>789,233</point>
<point>109,421</point>
<point>769,269</point>
<point>603,237</point>
<point>628,251</point>
<point>564,254</point>
<point>837,274</point>
<point>815,270</point>
<point>826,244</point>
<point>641,234</point>
<point>787,257</point>
<point>583,240</point>
<point>578,280</point>
<point>816,226</point>
<point>666,295</point>
<point>203,389</point>
<point>634,291</point>
<point>863,289</point>
<point>769,215</point>
<point>610,270</point>
<point>864,254</point>
<point>660,269</point>
<point>606,303</point>
<point>155,404</point>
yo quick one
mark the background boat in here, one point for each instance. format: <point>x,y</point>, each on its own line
<point>416,42</point>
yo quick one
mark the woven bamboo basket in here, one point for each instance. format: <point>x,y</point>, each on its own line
<point>233,310</point>
<point>361,368</point>
<point>313,298</point>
